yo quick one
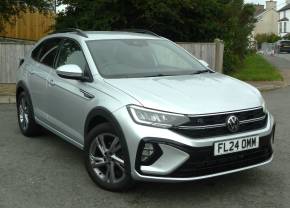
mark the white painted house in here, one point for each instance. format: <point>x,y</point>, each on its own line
<point>284,20</point>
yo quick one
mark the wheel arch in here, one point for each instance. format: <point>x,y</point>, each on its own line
<point>99,115</point>
<point>21,87</point>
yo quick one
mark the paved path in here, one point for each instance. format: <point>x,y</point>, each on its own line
<point>282,62</point>
<point>46,172</point>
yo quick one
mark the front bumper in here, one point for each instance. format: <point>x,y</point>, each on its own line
<point>187,159</point>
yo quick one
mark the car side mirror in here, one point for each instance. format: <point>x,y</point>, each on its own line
<point>204,63</point>
<point>70,71</point>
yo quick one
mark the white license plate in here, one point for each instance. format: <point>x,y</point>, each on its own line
<point>236,145</point>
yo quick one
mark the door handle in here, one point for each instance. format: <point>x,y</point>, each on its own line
<point>51,82</point>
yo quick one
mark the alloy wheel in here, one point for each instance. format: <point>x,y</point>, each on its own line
<point>23,113</point>
<point>105,155</point>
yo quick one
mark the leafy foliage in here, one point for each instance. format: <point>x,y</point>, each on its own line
<point>10,8</point>
<point>287,37</point>
<point>266,38</point>
<point>178,20</point>
<point>256,68</point>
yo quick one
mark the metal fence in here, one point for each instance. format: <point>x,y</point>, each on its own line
<point>268,48</point>
<point>10,54</point>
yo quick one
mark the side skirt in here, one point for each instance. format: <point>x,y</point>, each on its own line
<point>58,133</point>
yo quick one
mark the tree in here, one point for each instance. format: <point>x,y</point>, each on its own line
<point>178,20</point>
<point>10,8</point>
<point>287,37</point>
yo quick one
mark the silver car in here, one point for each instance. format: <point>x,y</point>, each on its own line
<point>142,108</point>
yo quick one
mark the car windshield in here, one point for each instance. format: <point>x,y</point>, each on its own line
<point>126,58</point>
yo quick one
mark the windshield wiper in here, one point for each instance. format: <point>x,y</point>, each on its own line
<point>159,75</point>
<point>203,71</point>
<point>164,74</point>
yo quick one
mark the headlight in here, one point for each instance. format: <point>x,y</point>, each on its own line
<point>156,118</point>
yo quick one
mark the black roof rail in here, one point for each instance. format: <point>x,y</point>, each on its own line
<point>140,31</point>
<point>65,30</point>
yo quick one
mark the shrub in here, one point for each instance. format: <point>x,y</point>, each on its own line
<point>231,62</point>
<point>266,38</point>
<point>287,37</point>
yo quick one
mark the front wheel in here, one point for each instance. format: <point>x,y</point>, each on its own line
<point>107,159</point>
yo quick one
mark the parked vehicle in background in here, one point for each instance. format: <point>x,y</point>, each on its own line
<point>142,108</point>
<point>283,46</point>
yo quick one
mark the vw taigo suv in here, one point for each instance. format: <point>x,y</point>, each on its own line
<point>142,108</point>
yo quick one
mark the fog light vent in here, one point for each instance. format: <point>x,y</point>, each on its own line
<point>147,152</point>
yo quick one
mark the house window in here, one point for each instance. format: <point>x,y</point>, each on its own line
<point>285,27</point>
<point>284,14</point>
<point>280,27</point>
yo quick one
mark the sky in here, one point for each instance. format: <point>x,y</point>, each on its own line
<point>280,3</point>
<point>60,8</point>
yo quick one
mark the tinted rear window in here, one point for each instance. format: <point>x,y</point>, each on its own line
<point>285,43</point>
<point>44,47</point>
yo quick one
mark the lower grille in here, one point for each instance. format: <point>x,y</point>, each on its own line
<point>203,162</point>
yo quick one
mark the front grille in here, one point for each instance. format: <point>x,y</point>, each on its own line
<point>203,162</point>
<point>214,125</point>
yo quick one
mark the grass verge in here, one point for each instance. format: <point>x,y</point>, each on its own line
<point>256,68</point>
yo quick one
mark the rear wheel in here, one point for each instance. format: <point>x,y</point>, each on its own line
<point>25,116</point>
<point>107,159</point>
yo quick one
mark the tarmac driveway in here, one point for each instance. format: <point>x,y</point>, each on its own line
<point>281,62</point>
<point>285,56</point>
<point>47,172</point>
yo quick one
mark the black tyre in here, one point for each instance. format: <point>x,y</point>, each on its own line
<point>25,116</point>
<point>107,159</point>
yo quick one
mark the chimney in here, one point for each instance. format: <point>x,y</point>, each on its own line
<point>272,5</point>
<point>260,7</point>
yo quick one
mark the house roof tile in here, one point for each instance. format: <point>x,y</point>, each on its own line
<point>259,10</point>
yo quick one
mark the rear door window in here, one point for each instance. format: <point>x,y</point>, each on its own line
<point>35,52</point>
<point>49,57</point>
<point>46,52</point>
